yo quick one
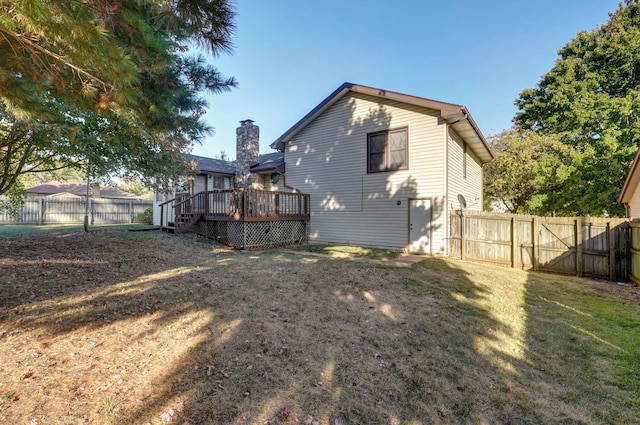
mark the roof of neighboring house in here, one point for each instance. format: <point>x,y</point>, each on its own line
<point>212,165</point>
<point>79,189</point>
<point>631,182</point>
<point>270,162</point>
<point>457,116</point>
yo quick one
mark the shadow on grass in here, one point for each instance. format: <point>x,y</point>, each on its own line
<point>236,337</point>
<point>582,350</point>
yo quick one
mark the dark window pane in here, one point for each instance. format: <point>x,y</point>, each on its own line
<point>377,152</point>
<point>376,143</point>
<point>376,162</point>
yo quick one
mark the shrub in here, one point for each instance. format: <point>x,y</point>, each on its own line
<point>145,217</point>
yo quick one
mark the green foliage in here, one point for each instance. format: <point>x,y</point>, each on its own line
<point>529,171</point>
<point>591,98</point>
<point>13,202</point>
<point>145,217</point>
<point>134,186</point>
<point>110,85</point>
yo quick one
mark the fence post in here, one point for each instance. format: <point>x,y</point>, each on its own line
<point>612,253</point>
<point>463,237</point>
<point>40,211</point>
<point>514,245</point>
<point>578,239</point>
<point>534,242</point>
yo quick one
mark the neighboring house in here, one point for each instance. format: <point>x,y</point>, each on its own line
<point>383,169</point>
<point>250,170</point>
<point>630,194</point>
<point>79,190</point>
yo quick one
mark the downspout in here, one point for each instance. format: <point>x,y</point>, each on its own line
<point>447,224</point>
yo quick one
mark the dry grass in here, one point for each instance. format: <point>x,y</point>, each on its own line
<point>116,327</point>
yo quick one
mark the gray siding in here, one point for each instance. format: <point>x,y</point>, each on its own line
<point>327,160</point>
<point>199,185</point>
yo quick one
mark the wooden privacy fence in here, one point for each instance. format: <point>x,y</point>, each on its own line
<point>45,210</point>
<point>635,250</point>
<point>584,246</point>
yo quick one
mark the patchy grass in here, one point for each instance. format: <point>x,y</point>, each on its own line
<point>117,327</point>
<point>7,230</point>
<point>349,251</point>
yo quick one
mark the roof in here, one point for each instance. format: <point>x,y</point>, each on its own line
<point>457,116</point>
<point>211,165</point>
<point>270,162</point>
<point>80,189</point>
<point>631,182</point>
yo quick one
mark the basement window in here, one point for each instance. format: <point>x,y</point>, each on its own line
<point>387,150</point>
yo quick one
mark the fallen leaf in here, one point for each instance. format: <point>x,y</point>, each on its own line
<point>27,375</point>
<point>285,412</point>
<point>170,416</point>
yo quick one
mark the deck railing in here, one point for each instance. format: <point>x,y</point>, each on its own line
<point>240,205</point>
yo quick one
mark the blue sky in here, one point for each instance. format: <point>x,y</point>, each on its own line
<point>289,55</point>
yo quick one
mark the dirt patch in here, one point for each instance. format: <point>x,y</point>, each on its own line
<point>625,290</point>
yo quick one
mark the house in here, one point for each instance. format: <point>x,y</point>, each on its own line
<point>251,170</point>
<point>241,203</point>
<point>78,190</point>
<point>630,194</point>
<point>383,169</point>
<point>372,167</point>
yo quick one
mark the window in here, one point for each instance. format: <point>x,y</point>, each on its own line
<point>387,151</point>
<point>217,182</point>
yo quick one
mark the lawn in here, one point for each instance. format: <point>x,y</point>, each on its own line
<point>120,327</point>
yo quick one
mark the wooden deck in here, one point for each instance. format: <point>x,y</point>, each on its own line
<point>242,218</point>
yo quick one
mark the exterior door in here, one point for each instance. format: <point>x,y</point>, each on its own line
<point>420,226</point>
<point>200,184</point>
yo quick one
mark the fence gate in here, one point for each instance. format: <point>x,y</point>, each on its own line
<point>584,246</point>
<point>555,245</point>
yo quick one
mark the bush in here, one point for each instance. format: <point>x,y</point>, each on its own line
<point>145,217</point>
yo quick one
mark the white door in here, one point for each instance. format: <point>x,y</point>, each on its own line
<point>200,184</point>
<point>420,226</point>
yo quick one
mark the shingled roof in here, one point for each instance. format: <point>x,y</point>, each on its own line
<point>269,162</point>
<point>79,189</point>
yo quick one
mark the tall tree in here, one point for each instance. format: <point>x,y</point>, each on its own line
<point>591,98</point>
<point>529,170</point>
<point>114,79</point>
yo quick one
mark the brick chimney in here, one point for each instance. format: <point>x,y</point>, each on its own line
<point>247,152</point>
